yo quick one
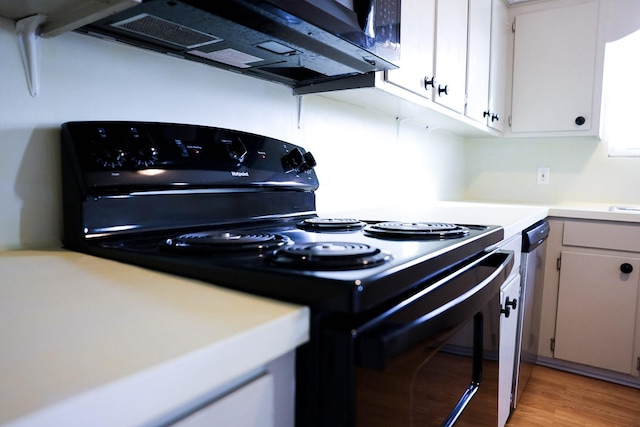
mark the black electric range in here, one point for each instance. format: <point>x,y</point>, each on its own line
<point>238,210</point>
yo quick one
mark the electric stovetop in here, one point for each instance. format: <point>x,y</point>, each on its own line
<point>238,210</point>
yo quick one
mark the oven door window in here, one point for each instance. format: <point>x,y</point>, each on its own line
<point>450,376</point>
<point>435,384</point>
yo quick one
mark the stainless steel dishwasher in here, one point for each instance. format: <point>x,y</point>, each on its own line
<point>532,264</point>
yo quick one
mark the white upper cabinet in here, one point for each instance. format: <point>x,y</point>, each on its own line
<point>500,33</point>
<point>478,60</point>
<point>434,51</point>
<point>446,61</point>
<point>455,55</point>
<point>451,54</point>
<point>417,42</point>
<point>556,71</point>
<point>489,31</point>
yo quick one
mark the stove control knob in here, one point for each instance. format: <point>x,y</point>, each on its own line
<point>143,152</point>
<point>297,161</point>
<point>309,162</point>
<point>236,149</point>
<point>105,151</point>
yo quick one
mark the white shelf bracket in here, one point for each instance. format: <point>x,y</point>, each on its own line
<point>299,111</point>
<point>29,41</point>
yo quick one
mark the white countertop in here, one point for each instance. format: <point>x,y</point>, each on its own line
<point>85,340</point>
<point>596,211</point>
<point>513,218</point>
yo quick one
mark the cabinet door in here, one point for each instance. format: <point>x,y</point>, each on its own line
<point>509,293</point>
<point>554,70</point>
<point>597,310</point>
<point>250,406</point>
<point>500,32</point>
<point>478,60</point>
<point>451,54</point>
<point>417,33</point>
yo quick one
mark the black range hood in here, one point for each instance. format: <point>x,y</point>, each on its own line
<point>293,42</point>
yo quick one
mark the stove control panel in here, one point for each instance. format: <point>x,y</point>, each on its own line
<point>157,155</point>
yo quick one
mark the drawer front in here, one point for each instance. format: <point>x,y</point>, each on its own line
<point>615,236</point>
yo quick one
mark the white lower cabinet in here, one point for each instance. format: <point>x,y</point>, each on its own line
<point>250,406</point>
<point>509,305</point>
<point>509,301</point>
<point>590,319</point>
<point>265,398</point>
<point>597,304</point>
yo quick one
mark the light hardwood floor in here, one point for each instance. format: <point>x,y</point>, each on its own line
<point>557,398</point>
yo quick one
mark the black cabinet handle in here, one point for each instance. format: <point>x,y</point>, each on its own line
<point>508,306</point>
<point>626,268</point>
<point>429,82</point>
<point>495,117</point>
<point>580,120</point>
<point>442,90</point>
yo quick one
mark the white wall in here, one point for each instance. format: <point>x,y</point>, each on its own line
<point>364,158</point>
<point>581,171</point>
<point>367,159</point>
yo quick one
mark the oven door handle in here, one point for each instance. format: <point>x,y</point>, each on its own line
<point>434,313</point>
<point>476,373</point>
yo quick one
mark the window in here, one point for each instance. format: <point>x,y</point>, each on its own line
<point>621,96</point>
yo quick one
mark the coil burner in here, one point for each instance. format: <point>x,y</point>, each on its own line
<point>416,230</point>
<point>331,224</point>
<point>329,256</point>
<point>222,241</point>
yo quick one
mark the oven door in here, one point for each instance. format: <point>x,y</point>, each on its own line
<point>424,363</point>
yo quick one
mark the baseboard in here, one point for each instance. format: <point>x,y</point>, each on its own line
<point>589,371</point>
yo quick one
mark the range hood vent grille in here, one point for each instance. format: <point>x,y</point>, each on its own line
<point>166,31</point>
<point>293,42</point>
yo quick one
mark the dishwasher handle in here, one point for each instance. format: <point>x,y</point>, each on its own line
<point>440,307</point>
<point>535,235</point>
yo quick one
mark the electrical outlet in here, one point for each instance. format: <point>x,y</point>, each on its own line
<point>543,175</point>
